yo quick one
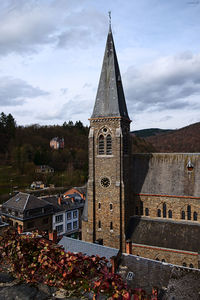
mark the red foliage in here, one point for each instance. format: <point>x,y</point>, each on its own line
<point>35,260</point>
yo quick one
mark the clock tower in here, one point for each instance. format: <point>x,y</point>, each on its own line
<point>107,208</point>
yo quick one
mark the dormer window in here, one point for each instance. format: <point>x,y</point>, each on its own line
<point>190,166</point>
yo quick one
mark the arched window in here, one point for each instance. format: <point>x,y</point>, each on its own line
<point>195,216</point>
<point>141,208</point>
<point>169,214</point>
<point>163,260</point>
<point>146,211</point>
<point>101,144</point>
<point>111,206</point>
<point>189,212</point>
<point>184,264</point>
<point>108,145</point>
<point>164,210</point>
<point>158,213</point>
<point>157,259</point>
<point>99,224</point>
<point>99,205</point>
<point>111,225</point>
<point>191,266</point>
<point>183,215</point>
<point>136,210</point>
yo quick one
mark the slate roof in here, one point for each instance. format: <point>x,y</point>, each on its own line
<point>74,245</point>
<point>166,174</point>
<point>66,204</point>
<point>23,201</point>
<point>54,201</point>
<point>165,233</point>
<point>110,100</point>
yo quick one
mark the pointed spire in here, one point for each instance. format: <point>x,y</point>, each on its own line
<point>110,100</point>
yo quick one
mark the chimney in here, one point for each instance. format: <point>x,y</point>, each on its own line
<point>53,236</point>
<point>19,229</point>
<point>59,200</point>
<point>128,247</point>
<point>113,264</point>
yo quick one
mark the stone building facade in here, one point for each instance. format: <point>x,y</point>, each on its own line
<point>28,213</point>
<point>151,187</point>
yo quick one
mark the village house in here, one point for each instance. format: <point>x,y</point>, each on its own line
<point>76,192</point>
<point>28,213</point>
<point>57,143</point>
<point>66,219</point>
<point>37,185</point>
<point>44,169</point>
<point>3,226</point>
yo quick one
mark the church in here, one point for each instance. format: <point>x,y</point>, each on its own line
<point>144,204</point>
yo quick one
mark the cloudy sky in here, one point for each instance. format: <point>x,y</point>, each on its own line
<point>51,53</point>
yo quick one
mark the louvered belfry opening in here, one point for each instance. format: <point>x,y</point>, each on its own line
<point>101,144</point>
<point>108,145</point>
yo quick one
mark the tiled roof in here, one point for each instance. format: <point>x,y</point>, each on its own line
<point>74,245</point>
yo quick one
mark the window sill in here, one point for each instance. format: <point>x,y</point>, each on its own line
<point>105,155</point>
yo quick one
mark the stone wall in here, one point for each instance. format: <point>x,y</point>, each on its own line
<point>43,223</point>
<point>109,204</point>
<point>182,258</point>
<point>176,204</point>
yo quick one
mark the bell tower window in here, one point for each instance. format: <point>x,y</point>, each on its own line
<point>104,142</point>
<point>164,210</point>
<point>101,144</point>
<point>108,144</point>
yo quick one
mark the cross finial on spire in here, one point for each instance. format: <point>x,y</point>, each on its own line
<point>109,15</point>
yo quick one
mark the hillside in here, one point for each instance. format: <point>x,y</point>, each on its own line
<point>140,145</point>
<point>186,139</point>
<point>23,148</point>
<point>144,133</point>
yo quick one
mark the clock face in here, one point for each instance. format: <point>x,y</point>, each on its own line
<point>105,182</point>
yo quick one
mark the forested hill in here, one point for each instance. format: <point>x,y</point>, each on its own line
<point>186,139</point>
<point>143,133</point>
<point>22,149</point>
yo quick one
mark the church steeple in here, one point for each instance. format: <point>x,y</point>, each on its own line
<point>110,100</point>
<point>105,213</point>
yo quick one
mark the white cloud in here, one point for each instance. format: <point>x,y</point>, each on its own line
<point>171,82</point>
<point>26,25</point>
<point>15,91</point>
